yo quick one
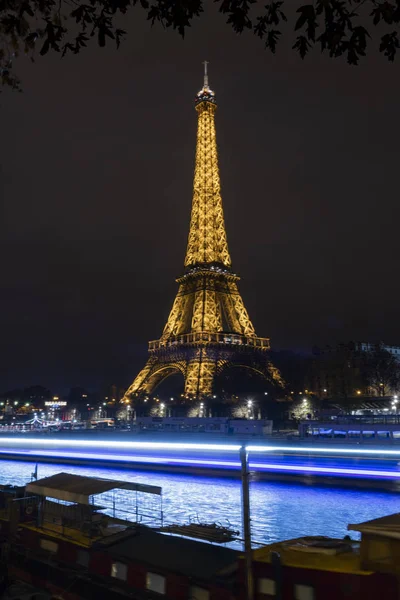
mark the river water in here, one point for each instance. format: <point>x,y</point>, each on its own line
<point>279,510</point>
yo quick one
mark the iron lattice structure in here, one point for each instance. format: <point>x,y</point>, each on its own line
<point>208,328</point>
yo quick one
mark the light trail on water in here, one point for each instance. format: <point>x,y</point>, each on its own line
<point>210,456</point>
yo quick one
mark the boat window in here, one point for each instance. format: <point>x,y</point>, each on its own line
<point>354,433</point>
<point>82,558</point>
<point>378,551</point>
<point>339,434</point>
<point>396,434</point>
<point>198,593</point>
<point>119,571</point>
<point>155,583</point>
<point>48,545</point>
<point>266,586</point>
<point>303,592</point>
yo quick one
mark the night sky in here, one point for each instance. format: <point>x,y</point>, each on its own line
<point>97,160</point>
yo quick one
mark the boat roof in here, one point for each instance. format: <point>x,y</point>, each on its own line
<point>388,526</point>
<point>79,488</point>
<point>169,553</point>
<point>317,553</point>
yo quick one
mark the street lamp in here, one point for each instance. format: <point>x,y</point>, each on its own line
<point>249,409</point>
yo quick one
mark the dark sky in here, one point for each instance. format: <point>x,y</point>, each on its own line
<point>97,162</point>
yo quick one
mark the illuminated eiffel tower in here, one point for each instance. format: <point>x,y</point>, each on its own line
<point>208,328</point>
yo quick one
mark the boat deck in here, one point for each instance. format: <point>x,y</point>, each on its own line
<point>295,553</point>
<point>76,536</point>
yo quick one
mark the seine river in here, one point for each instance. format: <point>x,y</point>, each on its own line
<point>279,510</point>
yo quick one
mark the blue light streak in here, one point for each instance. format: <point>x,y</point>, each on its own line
<point>209,463</point>
<point>98,444</point>
<point>122,445</point>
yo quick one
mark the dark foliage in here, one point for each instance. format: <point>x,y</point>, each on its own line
<point>345,371</point>
<point>338,27</point>
<point>381,371</point>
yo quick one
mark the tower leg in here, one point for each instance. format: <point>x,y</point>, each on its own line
<point>153,373</point>
<point>200,373</point>
<point>138,384</point>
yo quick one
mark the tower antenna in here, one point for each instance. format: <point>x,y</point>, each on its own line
<point>205,86</point>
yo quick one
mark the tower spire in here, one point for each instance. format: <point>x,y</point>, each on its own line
<point>207,243</point>
<point>205,86</point>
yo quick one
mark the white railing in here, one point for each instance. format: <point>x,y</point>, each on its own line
<point>206,338</point>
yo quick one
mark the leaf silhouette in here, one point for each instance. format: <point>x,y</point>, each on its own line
<point>302,45</point>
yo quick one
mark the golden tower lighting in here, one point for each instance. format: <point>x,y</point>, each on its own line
<point>208,328</point>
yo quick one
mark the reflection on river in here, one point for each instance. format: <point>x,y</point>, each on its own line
<point>279,510</point>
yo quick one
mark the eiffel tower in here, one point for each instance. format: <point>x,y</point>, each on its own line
<point>208,328</point>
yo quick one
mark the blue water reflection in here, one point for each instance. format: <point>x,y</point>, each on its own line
<point>279,510</point>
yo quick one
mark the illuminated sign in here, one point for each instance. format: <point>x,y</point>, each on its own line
<point>56,404</point>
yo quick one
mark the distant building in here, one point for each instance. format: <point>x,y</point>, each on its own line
<point>214,425</point>
<point>336,372</point>
<point>371,347</point>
